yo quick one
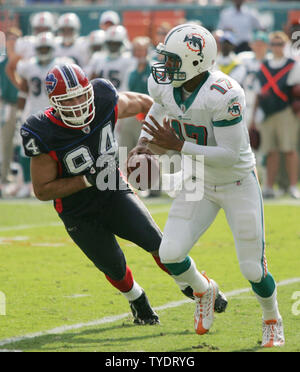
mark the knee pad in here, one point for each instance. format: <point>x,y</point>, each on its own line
<point>171,251</point>
<point>248,227</point>
<point>252,271</point>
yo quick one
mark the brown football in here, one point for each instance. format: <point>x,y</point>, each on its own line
<point>143,172</point>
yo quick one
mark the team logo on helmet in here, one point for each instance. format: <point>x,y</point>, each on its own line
<point>50,82</point>
<point>195,42</point>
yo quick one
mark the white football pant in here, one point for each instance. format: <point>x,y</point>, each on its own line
<point>243,207</point>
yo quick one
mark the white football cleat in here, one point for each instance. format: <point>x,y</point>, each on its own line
<point>272,333</point>
<point>204,312</point>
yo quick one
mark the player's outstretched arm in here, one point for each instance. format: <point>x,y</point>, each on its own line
<point>45,181</point>
<point>131,104</point>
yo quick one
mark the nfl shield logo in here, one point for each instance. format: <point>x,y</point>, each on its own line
<point>50,82</point>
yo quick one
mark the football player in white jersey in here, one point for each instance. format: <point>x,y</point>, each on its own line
<point>96,45</point>
<point>25,45</point>
<point>116,64</point>
<point>69,42</point>
<point>32,73</point>
<point>199,112</point>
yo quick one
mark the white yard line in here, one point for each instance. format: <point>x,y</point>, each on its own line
<point>114,318</point>
<point>33,226</point>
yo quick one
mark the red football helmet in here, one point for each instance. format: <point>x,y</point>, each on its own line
<point>71,95</point>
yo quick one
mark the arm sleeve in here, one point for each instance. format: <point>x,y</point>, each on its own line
<point>227,151</point>
<point>32,143</point>
<point>157,111</point>
<point>21,69</point>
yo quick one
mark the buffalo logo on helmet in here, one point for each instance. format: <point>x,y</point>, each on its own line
<point>50,82</point>
<point>195,42</point>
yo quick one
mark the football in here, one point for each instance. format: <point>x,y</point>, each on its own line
<point>143,172</point>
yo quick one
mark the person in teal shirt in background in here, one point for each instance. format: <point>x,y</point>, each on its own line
<point>138,78</point>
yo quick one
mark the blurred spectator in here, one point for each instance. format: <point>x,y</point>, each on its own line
<point>159,37</point>
<point>9,98</point>
<point>280,128</point>
<point>252,61</point>
<point>32,73</point>
<point>69,43</point>
<point>24,46</point>
<point>227,61</point>
<point>138,78</point>
<point>241,21</point>
<point>96,41</point>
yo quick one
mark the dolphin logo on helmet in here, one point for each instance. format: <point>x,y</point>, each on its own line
<point>195,43</point>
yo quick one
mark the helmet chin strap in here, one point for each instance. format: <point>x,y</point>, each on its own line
<point>177,84</point>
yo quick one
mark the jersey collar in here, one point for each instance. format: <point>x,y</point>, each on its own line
<point>185,105</point>
<point>50,115</point>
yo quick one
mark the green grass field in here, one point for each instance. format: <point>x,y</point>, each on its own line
<point>56,300</point>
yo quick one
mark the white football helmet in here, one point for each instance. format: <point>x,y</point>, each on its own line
<point>115,39</point>
<point>109,18</point>
<point>189,50</point>
<point>68,25</point>
<point>44,46</point>
<point>42,22</point>
<point>96,40</point>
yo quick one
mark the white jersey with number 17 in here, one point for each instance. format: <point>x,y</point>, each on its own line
<point>218,101</point>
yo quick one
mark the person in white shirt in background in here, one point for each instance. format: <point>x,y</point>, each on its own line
<point>69,42</point>
<point>95,46</point>
<point>32,73</point>
<point>25,45</point>
<point>241,21</point>
<point>116,62</point>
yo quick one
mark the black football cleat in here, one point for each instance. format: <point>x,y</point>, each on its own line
<point>220,302</point>
<point>142,311</point>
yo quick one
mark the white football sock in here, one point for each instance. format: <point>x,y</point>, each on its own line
<point>193,278</point>
<point>269,306</point>
<point>134,293</point>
